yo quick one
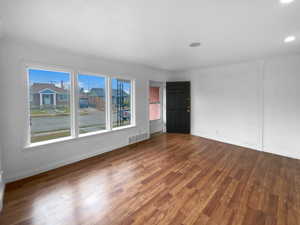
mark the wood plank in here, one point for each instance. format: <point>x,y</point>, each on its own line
<point>169,179</point>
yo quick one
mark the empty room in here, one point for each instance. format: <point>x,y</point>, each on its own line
<point>182,112</point>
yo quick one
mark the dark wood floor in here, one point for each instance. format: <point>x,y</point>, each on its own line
<point>171,179</point>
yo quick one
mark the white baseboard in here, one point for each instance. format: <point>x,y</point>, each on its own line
<point>2,186</point>
<point>244,144</point>
<point>228,141</point>
<point>29,173</point>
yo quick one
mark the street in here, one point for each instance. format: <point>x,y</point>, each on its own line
<point>54,123</point>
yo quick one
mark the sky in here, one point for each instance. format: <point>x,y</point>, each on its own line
<point>50,77</point>
<point>86,82</point>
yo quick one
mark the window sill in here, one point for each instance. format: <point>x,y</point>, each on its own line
<point>60,140</point>
<point>122,127</point>
<point>155,119</point>
<point>93,133</point>
<point>43,143</point>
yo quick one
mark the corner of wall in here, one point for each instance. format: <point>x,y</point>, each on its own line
<point>2,186</point>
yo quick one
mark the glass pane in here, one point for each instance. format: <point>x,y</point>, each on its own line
<point>49,105</point>
<point>154,94</point>
<point>91,103</point>
<point>121,102</point>
<point>154,111</point>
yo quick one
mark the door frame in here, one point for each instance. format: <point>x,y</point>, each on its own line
<point>160,124</point>
<point>186,85</point>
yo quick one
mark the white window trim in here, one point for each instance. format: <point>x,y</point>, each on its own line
<point>54,69</point>
<point>132,101</point>
<point>107,115</point>
<point>74,99</point>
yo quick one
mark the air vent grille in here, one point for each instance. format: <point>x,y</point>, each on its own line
<point>138,138</point>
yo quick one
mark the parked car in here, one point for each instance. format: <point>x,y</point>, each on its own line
<point>83,103</point>
<point>124,115</point>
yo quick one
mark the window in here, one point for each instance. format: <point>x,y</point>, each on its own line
<point>154,106</point>
<point>121,102</point>
<point>71,105</point>
<point>63,97</point>
<point>49,115</point>
<point>92,103</point>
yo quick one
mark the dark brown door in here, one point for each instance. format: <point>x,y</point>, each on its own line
<point>178,107</point>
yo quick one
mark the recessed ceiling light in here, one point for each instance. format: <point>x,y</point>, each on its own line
<point>289,39</point>
<point>286,1</point>
<point>195,44</point>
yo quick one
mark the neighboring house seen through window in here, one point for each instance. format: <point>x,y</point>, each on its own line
<point>54,115</point>
<point>49,114</point>
<point>92,103</point>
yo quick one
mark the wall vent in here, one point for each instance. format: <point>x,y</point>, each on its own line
<point>138,138</point>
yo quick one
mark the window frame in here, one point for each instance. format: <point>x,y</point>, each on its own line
<point>71,100</point>
<point>74,102</point>
<point>106,78</point>
<point>132,103</point>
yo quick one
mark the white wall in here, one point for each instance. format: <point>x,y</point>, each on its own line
<point>253,104</point>
<point>282,106</point>
<point>1,138</point>
<point>1,180</point>
<point>1,159</point>
<point>1,111</point>
<point>20,162</point>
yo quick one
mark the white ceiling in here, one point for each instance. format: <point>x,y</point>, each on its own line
<point>157,32</point>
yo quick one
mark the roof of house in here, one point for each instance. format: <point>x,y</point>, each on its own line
<point>38,87</point>
<point>115,92</point>
<point>101,93</point>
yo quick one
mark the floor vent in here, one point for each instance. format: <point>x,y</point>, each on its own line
<point>138,138</point>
